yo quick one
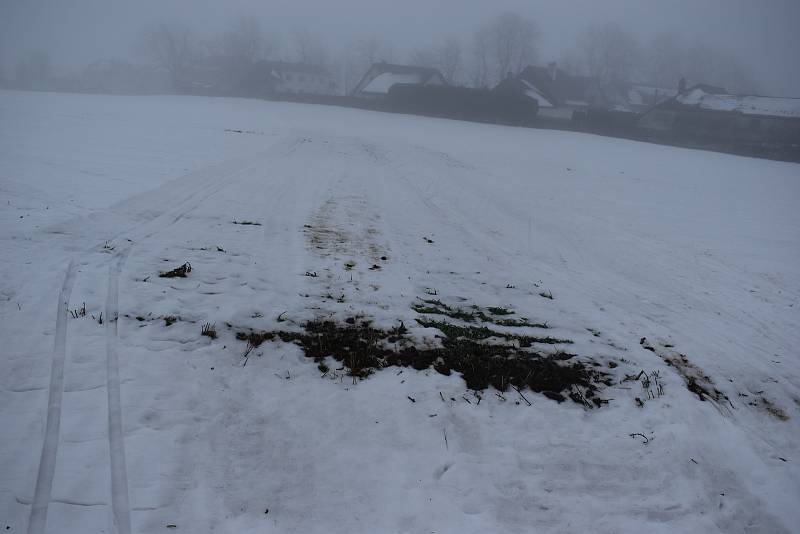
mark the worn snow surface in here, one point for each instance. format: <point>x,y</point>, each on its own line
<point>697,252</point>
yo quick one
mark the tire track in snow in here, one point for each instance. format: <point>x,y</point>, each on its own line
<point>47,463</point>
<point>120,503</point>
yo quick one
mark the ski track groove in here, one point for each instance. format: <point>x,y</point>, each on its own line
<point>120,502</point>
<point>47,463</point>
<point>119,486</point>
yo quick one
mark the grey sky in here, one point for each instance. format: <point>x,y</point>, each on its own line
<point>764,33</point>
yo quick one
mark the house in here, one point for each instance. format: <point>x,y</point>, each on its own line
<point>641,97</point>
<point>558,94</point>
<point>381,77</point>
<point>710,115</point>
<point>520,87</point>
<point>282,77</point>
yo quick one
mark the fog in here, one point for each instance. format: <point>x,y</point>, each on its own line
<point>761,36</point>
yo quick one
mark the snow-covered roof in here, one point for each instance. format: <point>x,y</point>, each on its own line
<point>747,105</point>
<point>532,92</point>
<point>383,82</point>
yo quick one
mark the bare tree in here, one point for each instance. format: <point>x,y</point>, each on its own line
<point>172,46</point>
<point>360,55</point>
<point>309,48</point>
<point>451,59</point>
<point>610,53</point>
<point>373,49</point>
<point>243,42</point>
<point>424,57</point>
<point>571,63</point>
<point>481,59</point>
<point>513,39</point>
<point>663,62</point>
<point>504,45</point>
<point>707,64</point>
<point>446,57</point>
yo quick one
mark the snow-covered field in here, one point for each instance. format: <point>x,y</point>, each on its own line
<point>697,252</point>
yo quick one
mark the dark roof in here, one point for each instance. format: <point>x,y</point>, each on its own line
<point>556,85</point>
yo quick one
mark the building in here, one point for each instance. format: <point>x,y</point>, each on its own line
<point>281,77</point>
<point>381,77</point>
<point>558,94</point>
<point>641,97</point>
<point>561,95</point>
<point>708,115</point>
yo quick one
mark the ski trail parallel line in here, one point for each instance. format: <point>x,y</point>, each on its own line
<point>120,503</point>
<point>47,463</point>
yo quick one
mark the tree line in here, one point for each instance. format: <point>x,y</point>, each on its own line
<point>501,46</point>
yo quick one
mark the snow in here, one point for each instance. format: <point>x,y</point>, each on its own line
<point>534,93</point>
<point>687,248</point>
<point>648,95</point>
<point>381,83</point>
<point>748,105</point>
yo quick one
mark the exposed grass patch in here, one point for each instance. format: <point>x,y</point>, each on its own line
<point>770,407</point>
<point>695,379</point>
<point>482,332</point>
<point>507,361</point>
<point>474,314</point>
<point>246,223</point>
<point>178,272</point>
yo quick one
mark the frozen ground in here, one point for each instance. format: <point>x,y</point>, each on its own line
<point>697,252</point>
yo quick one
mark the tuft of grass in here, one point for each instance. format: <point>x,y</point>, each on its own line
<point>169,320</point>
<point>209,330</point>
<point>78,312</point>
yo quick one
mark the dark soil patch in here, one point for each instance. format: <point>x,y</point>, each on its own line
<point>503,361</point>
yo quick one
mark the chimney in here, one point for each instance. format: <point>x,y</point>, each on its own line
<point>552,68</point>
